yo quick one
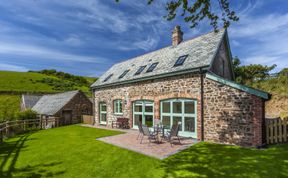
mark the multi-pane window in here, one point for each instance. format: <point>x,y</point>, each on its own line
<point>123,74</point>
<point>180,61</point>
<point>175,111</point>
<point>107,78</point>
<point>118,107</point>
<point>152,67</point>
<point>140,70</point>
<point>103,112</point>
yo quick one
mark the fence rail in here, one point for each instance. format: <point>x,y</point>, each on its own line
<point>276,130</point>
<point>10,128</point>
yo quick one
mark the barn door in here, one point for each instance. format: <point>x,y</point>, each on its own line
<point>67,117</point>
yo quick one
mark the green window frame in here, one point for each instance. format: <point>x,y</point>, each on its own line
<point>118,107</point>
<point>178,110</point>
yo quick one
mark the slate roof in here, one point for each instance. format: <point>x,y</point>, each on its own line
<point>30,100</point>
<point>52,103</point>
<point>200,50</point>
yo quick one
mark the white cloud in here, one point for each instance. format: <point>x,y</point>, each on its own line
<point>38,52</point>
<point>10,67</point>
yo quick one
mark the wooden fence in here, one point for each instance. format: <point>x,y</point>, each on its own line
<point>11,128</point>
<point>88,119</point>
<point>276,130</point>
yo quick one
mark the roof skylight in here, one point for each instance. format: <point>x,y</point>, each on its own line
<point>180,61</point>
<point>107,78</point>
<point>152,67</point>
<point>124,73</point>
<point>140,70</point>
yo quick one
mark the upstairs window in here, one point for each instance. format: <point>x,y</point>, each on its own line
<point>123,74</point>
<point>152,67</point>
<point>180,61</point>
<point>140,70</point>
<point>118,107</point>
<point>107,78</point>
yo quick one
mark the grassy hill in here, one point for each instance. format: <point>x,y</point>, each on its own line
<point>13,84</point>
<point>278,87</point>
<point>32,82</point>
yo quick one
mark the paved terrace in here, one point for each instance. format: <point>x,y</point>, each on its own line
<point>129,141</point>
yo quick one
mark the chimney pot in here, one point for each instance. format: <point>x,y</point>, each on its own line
<point>177,36</point>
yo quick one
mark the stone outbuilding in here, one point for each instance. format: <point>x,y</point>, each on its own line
<point>191,82</point>
<point>68,106</point>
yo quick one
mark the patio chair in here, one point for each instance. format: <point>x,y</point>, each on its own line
<point>140,129</point>
<point>148,133</point>
<point>173,133</point>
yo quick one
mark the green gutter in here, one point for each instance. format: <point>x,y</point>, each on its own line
<point>252,91</point>
<point>169,74</point>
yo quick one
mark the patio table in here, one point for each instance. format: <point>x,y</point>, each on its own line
<point>158,130</point>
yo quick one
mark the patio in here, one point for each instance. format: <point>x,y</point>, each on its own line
<point>129,141</point>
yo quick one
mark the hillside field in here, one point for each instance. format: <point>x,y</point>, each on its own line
<point>14,84</point>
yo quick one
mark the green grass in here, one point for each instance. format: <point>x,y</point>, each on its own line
<point>30,82</point>
<point>23,82</point>
<point>9,104</point>
<point>72,151</point>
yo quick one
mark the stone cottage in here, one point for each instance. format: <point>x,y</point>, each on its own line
<point>191,82</point>
<point>68,106</point>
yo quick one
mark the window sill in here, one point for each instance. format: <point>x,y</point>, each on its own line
<point>118,114</point>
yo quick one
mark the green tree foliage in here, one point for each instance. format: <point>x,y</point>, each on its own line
<point>195,11</point>
<point>79,80</point>
<point>250,73</point>
<point>26,115</point>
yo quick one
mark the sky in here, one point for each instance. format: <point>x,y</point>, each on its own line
<point>87,37</point>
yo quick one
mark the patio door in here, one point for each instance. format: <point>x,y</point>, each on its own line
<point>182,111</point>
<point>143,111</point>
<point>103,113</point>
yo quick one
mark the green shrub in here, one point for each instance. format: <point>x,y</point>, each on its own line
<point>26,115</point>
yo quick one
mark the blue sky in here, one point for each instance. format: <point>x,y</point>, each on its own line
<point>86,37</point>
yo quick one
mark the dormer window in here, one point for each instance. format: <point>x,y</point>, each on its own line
<point>140,70</point>
<point>107,78</point>
<point>180,61</point>
<point>123,74</point>
<point>152,67</point>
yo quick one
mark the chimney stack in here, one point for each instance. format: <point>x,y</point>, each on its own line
<point>177,36</point>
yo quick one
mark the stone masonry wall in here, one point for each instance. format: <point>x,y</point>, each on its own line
<point>80,105</point>
<point>184,86</point>
<point>232,116</point>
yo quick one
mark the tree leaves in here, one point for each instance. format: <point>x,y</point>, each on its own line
<point>194,11</point>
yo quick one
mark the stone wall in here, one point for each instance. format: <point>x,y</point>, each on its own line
<point>184,86</point>
<point>232,116</point>
<point>80,105</point>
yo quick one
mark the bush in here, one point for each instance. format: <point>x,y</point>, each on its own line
<point>26,115</point>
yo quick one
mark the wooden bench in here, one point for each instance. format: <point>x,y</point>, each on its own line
<point>121,122</point>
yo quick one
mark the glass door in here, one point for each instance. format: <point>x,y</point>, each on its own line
<point>180,111</point>
<point>103,113</point>
<point>143,111</point>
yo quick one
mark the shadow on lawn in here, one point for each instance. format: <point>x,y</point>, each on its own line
<point>212,160</point>
<point>9,152</point>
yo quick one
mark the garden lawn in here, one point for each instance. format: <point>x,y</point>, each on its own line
<point>73,151</point>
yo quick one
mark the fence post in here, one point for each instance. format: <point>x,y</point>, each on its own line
<point>41,124</point>
<point>1,135</point>
<point>285,129</point>
<point>24,125</point>
<point>7,128</point>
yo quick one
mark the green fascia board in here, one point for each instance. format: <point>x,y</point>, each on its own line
<point>247,89</point>
<point>170,74</point>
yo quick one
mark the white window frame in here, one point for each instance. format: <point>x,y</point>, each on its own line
<point>117,110</point>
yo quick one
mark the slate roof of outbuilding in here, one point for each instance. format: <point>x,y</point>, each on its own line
<point>200,50</point>
<point>30,100</point>
<point>52,103</point>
